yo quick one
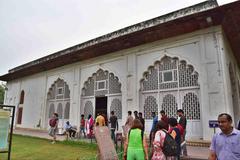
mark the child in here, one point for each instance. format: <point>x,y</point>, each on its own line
<point>82,126</point>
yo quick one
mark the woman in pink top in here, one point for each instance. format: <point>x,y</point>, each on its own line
<point>89,126</point>
<point>158,142</point>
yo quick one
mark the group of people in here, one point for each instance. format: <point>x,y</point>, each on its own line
<point>225,145</point>
<point>86,125</point>
<point>136,146</point>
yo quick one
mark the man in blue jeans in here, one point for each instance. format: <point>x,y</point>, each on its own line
<point>153,129</point>
<point>114,125</point>
<point>226,144</point>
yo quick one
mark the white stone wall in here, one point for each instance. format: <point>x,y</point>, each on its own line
<point>202,49</point>
<point>233,108</point>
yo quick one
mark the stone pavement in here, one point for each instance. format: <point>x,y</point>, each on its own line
<point>195,153</point>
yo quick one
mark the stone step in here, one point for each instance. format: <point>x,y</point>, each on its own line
<point>198,143</point>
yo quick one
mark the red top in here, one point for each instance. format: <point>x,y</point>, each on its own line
<point>82,122</point>
<point>164,118</point>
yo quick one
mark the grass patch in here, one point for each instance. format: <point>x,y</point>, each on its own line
<point>31,148</point>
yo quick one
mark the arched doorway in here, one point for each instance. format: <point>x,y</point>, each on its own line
<point>58,100</point>
<point>172,84</point>
<point>101,93</point>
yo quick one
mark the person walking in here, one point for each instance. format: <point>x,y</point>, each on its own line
<point>142,120</point>
<point>135,147</point>
<point>82,126</point>
<point>164,118</point>
<point>225,144</point>
<point>175,133</point>
<point>53,123</point>
<point>128,123</point>
<point>114,125</point>
<point>183,123</point>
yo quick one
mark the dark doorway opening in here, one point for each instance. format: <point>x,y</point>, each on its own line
<point>19,116</point>
<point>101,105</point>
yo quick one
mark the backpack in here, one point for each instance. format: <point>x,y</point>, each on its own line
<point>52,122</point>
<point>170,147</point>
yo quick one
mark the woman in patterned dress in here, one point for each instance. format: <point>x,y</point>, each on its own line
<point>158,142</point>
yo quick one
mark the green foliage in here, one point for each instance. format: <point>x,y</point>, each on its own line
<point>2,91</point>
<point>29,148</point>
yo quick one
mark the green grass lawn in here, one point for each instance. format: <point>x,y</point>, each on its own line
<point>29,148</point>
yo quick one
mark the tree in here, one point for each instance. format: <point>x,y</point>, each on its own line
<point>2,91</point>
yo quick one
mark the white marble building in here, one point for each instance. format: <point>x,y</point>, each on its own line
<point>187,59</point>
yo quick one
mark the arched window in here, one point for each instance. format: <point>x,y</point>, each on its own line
<point>51,110</point>
<point>66,111</point>
<point>60,110</point>
<point>191,106</point>
<point>150,106</point>
<point>169,105</point>
<point>168,79</point>
<point>22,97</point>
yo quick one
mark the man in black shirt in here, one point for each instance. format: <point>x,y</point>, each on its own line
<point>183,123</point>
<point>114,125</point>
<point>142,120</point>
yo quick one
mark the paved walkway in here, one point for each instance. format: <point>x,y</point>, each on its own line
<point>195,153</point>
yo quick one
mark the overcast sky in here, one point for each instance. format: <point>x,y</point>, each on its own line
<point>30,29</point>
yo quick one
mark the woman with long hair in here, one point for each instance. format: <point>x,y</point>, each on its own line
<point>135,147</point>
<point>158,142</point>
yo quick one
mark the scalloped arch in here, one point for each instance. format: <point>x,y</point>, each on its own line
<point>51,89</point>
<point>157,62</point>
<point>111,76</point>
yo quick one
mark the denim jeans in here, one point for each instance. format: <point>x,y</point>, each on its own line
<point>113,135</point>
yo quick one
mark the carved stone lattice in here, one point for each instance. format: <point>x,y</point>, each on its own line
<point>167,63</point>
<point>172,74</point>
<point>109,84</point>
<point>187,76</point>
<point>101,75</point>
<point>169,105</point>
<point>181,75</point>
<point>60,110</point>
<point>59,94</point>
<point>114,85</point>
<point>88,108</point>
<point>116,106</point>
<point>67,111</point>
<point>151,80</point>
<point>51,110</point>
<point>101,93</point>
<point>150,105</point>
<point>53,90</point>
<point>191,106</point>
<point>89,87</point>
